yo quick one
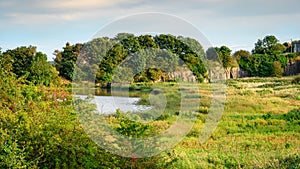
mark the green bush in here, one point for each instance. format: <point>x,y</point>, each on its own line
<point>293,115</point>
<point>277,69</point>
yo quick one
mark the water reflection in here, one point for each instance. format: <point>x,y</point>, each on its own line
<point>108,101</point>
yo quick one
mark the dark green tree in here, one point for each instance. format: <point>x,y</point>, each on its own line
<point>147,42</point>
<point>244,59</point>
<point>65,60</point>
<point>22,59</point>
<point>121,36</point>
<point>188,50</point>
<point>269,45</point>
<point>27,63</point>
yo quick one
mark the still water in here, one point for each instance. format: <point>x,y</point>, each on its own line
<point>108,102</point>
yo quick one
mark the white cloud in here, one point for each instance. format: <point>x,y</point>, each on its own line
<point>80,4</point>
<point>224,22</point>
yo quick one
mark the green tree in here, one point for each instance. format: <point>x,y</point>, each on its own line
<point>5,64</point>
<point>147,42</point>
<point>269,45</point>
<point>225,56</point>
<point>188,50</point>
<point>244,59</point>
<point>121,36</point>
<point>277,69</point>
<point>27,63</point>
<point>42,72</point>
<point>107,54</point>
<point>22,59</point>
<point>65,60</point>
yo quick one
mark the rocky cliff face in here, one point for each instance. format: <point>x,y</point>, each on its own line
<point>186,75</point>
<point>183,74</point>
<point>292,68</point>
<point>235,72</point>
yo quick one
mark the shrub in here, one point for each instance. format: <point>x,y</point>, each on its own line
<point>277,69</point>
<point>293,115</point>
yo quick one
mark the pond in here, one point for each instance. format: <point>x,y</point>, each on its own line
<point>108,102</point>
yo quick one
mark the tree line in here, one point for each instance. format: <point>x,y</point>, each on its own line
<point>144,58</point>
<point>268,58</point>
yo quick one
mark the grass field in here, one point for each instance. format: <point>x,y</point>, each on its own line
<point>42,127</point>
<point>255,130</point>
<point>259,128</point>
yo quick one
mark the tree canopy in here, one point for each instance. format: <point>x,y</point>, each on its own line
<point>32,66</point>
<point>267,55</point>
<point>98,59</point>
<point>269,45</point>
<point>106,54</point>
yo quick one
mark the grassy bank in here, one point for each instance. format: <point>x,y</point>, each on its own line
<point>256,130</point>
<point>259,128</point>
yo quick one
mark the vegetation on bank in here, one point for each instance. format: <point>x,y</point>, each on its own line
<point>39,126</point>
<point>104,60</point>
<point>144,58</point>
<point>40,129</point>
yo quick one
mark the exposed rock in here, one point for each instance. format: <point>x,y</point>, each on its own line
<point>235,72</point>
<point>183,74</point>
<point>292,68</point>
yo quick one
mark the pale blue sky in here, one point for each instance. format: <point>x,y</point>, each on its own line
<point>49,24</point>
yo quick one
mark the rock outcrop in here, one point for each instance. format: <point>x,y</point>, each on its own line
<point>235,72</point>
<point>292,68</point>
<point>183,74</point>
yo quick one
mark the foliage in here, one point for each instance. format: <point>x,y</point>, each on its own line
<point>101,57</point>
<point>244,59</point>
<point>65,60</point>
<point>28,64</point>
<point>225,56</point>
<point>22,59</point>
<point>130,128</point>
<point>151,75</point>
<point>277,69</point>
<point>39,126</point>
<point>212,54</point>
<point>38,130</point>
<point>262,65</point>
<point>267,58</point>
<point>293,115</point>
<point>269,45</point>
<point>42,72</point>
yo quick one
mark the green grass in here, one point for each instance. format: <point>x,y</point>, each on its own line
<point>256,130</point>
<point>260,127</point>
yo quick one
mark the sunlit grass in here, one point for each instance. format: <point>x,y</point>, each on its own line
<point>254,131</point>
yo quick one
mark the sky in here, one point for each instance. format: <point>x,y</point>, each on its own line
<point>238,24</point>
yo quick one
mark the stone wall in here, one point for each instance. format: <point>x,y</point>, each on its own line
<point>183,74</point>
<point>235,72</point>
<point>229,73</point>
<point>292,68</point>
